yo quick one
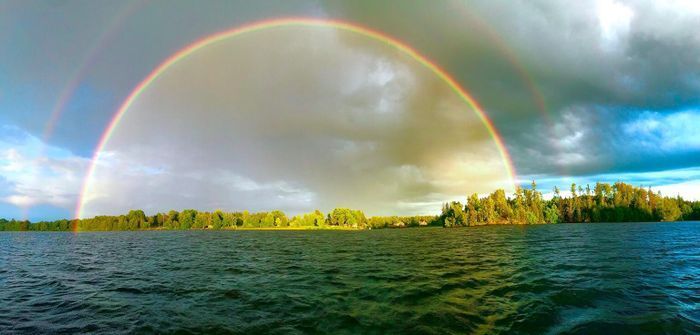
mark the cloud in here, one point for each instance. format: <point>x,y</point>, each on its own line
<point>619,81</point>
<point>669,132</point>
<point>296,118</point>
<point>120,184</point>
<point>687,190</point>
<point>597,66</point>
<point>108,49</point>
<point>34,174</point>
<point>614,19</point>
<point>681,182</point>
<point>597,140</point>
<point>612,53</point>
<point>630,60</point>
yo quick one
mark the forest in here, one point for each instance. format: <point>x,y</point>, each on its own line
<point>619,202</point>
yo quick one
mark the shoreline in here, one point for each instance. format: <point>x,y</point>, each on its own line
<point>345,228</point>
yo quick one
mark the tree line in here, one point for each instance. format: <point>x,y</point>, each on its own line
<point>619,202</point>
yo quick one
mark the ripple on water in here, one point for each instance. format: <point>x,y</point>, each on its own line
<point>575,279</point>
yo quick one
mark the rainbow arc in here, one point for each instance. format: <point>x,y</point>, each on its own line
<point>290,22</point>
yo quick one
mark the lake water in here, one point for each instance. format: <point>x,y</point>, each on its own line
<point>573,278</point>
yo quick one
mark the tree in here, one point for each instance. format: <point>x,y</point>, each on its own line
<point>551,213</point>
<point>217,219</point>
<point>669,211</point>
<point>519,208</point>
<point>280,219</point>
<point>317,218</point>
<point>340,217</point>
<point>136,219</point>
<point>453,215</point>
<point>473,210</point>
<point>489,215</point>
<point>201,220</point>
<point>617,203</point>
<point>504,212</point>
<point>186,218</point>
<point>346,217</point>
<point>312,219</point>
<point>268,221</point>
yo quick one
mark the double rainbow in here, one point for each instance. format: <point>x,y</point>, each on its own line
<point>288,22</point>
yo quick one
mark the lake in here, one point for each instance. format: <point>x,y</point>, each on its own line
<point>569,278</point>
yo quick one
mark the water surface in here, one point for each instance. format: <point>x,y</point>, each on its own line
<point>574,278</point>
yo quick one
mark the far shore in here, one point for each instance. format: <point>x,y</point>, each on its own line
<point>619,202</point>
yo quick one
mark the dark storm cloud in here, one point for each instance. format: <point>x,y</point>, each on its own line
<point>620,80</point>
<point>604,52</point>
<point>575,53</point>
<point>614,59</point>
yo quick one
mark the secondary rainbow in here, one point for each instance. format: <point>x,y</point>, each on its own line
<point>287,22</point>
<point>88,60</point>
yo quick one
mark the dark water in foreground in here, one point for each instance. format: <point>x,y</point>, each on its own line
<point>596,278</point>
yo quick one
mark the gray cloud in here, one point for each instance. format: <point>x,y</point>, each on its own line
<point>108,47</point>
<point>613,58</point>
<point>298,118</point>
<point>590,140</point>
<point>600,66</point>
<point>574,55</point>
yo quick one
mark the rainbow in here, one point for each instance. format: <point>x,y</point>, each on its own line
<point>88,60</point>
<point>528,82</point>
<point>520,70</point>
<point>287,22</point>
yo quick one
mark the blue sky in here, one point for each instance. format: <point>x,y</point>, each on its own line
<point>620,81</point>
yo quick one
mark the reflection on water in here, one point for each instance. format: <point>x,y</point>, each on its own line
<point>595,278</point>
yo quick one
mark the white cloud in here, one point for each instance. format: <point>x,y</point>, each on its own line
<point>23,201</point>
<point>614,19</point>
<point>38,174</point>
<point>689,190</point>
<point>674,131</point>
<point>683,182</point>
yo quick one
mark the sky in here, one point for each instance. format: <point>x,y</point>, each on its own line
<point>299,118</point>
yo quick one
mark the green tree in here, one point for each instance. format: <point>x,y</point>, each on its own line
<point>551,213</point>
<point>201,220</point>
<point>473,210</point>
<point>186,218</point>
<point>217,219</point>
<point>669,211</point>
<point>268,221</point>
<point>136,219</point>
<point>504,212</point>
<point>280,219</point>
<point>453,215</point>
<point>346,217</point>
<point>488,213</point>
